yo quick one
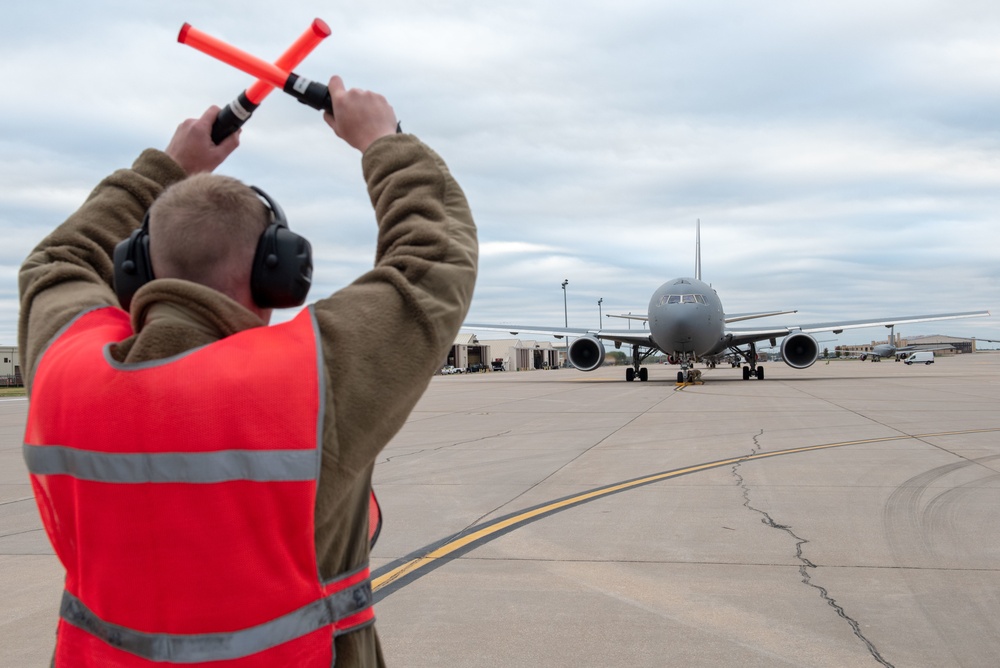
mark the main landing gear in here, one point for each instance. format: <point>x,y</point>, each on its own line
<point>630,374</point>
<point>636,370</point>
<point>751,369</point>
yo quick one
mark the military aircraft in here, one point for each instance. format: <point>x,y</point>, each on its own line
<point>889,348</point>
<point>686,321</point>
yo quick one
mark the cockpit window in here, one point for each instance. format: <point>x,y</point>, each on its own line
<point>682,299</point>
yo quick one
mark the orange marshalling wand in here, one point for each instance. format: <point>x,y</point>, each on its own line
<point>269,76</point>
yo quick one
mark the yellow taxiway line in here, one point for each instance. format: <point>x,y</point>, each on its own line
<point>499,526</point>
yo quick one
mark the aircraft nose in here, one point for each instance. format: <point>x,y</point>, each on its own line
<point>677,328</point>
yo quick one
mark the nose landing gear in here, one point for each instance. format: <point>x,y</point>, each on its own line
<point>688,375</point>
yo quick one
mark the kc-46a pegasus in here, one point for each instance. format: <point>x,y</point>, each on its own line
<point>686,322</point>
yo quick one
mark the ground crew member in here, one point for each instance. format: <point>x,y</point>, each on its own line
<point>204,477</point>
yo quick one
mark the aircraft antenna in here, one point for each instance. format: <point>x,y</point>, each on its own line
<point>697,251</point>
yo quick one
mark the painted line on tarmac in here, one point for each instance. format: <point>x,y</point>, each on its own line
<point>399,573</point>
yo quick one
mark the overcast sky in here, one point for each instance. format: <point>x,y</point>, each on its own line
<point>843,157</point>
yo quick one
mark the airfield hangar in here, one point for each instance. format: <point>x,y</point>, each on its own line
<point>471,354</point>
<point>10,367</point>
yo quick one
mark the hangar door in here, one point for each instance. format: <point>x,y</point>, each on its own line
<point>479,358</point>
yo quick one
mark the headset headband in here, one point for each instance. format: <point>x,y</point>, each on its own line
<point>280,277</point>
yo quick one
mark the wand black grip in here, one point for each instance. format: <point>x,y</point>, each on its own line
<point>310,93</point>
<point>232,117</point>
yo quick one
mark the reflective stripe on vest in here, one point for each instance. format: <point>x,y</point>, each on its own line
<point>201,467</point>
<point>335,609</point>
<point>144,475</point>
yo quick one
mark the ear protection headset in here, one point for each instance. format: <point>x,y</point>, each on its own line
<point>282,266</point>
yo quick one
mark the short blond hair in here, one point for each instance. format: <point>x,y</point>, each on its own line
<point>205,229</point>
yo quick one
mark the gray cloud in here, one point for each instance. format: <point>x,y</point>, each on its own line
<point>843,158</point>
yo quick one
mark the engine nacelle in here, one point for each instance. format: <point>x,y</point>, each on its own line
<point>586,353</point>
<point>799,350</point>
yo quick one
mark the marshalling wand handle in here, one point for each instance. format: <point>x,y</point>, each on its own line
<point>232,117</point>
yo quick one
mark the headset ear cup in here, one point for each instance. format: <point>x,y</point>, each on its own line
<point>282,268</point>
<point>133,268</point>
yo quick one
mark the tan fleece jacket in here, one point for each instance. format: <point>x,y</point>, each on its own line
<point>383,336</point>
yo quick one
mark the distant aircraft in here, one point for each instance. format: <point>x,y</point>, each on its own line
<point>889,348</point>
<point>687,323</point>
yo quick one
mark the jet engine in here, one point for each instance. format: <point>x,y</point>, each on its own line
<point>799,350</point>
<point>586,353</point>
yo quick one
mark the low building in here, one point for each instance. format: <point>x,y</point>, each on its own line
<point>533,355</point>
<point>958,345</point>
<point>10,367</point>
<point>469,353</point>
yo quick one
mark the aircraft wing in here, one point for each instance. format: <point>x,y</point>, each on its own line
<point>735,317</point>
<point>638,337</point>
<point>743,335</point>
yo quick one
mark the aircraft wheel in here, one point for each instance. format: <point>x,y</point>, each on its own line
<point>760,373</point>
<point>746,373</point>
<point>680,376</point>
<point>629,374</point>
<point>644,374</point>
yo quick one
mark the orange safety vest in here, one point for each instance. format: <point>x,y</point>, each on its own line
<point>179,495</point>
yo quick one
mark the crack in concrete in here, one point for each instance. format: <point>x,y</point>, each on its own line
<point>804,563</point>
<point>442,447</point>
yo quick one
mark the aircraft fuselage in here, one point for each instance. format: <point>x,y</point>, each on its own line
<point>686,318</point>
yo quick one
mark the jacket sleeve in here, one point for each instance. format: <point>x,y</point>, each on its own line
<point>386,334</point>
<point>71,269</point>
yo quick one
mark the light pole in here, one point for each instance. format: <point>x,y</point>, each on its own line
<point>600,312</point>
<point>565,311</point>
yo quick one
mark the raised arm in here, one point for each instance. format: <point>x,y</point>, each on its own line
<point>387,333</point>
<point>71,270</point>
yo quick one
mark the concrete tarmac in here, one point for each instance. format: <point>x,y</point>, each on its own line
<point>842,515</point>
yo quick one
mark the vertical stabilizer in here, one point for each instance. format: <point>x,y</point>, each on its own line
<point>697,251</point>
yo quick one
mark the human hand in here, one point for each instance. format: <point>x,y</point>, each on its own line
<point>192,147</point>
<point>359,116</point>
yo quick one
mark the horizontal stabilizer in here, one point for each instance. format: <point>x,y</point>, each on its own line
<point>737,317</point>
<point>629,316</point>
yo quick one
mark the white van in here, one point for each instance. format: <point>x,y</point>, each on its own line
<point>925,356</point>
